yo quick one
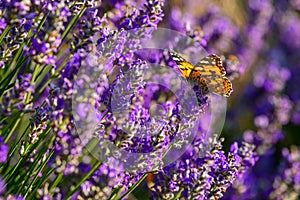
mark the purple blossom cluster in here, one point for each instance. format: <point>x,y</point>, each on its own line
<point>93,106</point>
<point>4,151</point>
<point>286,183</point>
<point>205,176</point>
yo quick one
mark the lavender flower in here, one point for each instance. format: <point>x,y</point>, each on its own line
<point>95,104</point>
<point>18,98</point>
<point>203,177</point>
<point>286,183</point>
<point>3,151</point>
<point>149,16</point>
<point>66,143</point>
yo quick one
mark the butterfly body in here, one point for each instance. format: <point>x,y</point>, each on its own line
<point>208,74</point>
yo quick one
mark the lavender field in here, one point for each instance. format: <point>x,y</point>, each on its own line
<point>149,99</point>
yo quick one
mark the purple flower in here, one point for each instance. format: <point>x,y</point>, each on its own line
<point>286,183</point>
<point>295,4</point>
<point>106,54</point>
<point>179,21</point>
<point>38,46</point>
<point>289,27</point>
<point>149,16</point>
<point>3,151</point>
<point>15,98</point>
<point>204,176</point>
<point>272,78</point>
<point>2,25</point>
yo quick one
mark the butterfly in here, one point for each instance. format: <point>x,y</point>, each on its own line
<point>208,74</point>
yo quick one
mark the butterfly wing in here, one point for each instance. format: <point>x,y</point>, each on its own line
<point>219,85</point>
<point>209,73</point>
<point>184,66</point>
<point>210,66</point>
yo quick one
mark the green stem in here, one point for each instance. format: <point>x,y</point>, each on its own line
<point>27,98</point>
<point>18,54</point>
<point>178,194</point>
<point>15,146</point>
<point>62,65</point>
<point>38,28</point>
<point>56,181</point>
<point>72,23</point>
<point>22,160</point>
<point>169,148</point>
<point>28,175</point>
<point>6,80</point>
<point>4,33</point>
<point>43,86</point>
<point>134,186</point>
<point>41,74</point>
<point>37,173</point>
<point>34,74</point>
<point>115,193</point>
<point>12,63</point>
<point>52,77</point>
<point>96,166</point>
<point>40,182</point>
<point>12,150</point>
<point>12,171</point>
<point>15,124</point>
<point>35,165</point>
